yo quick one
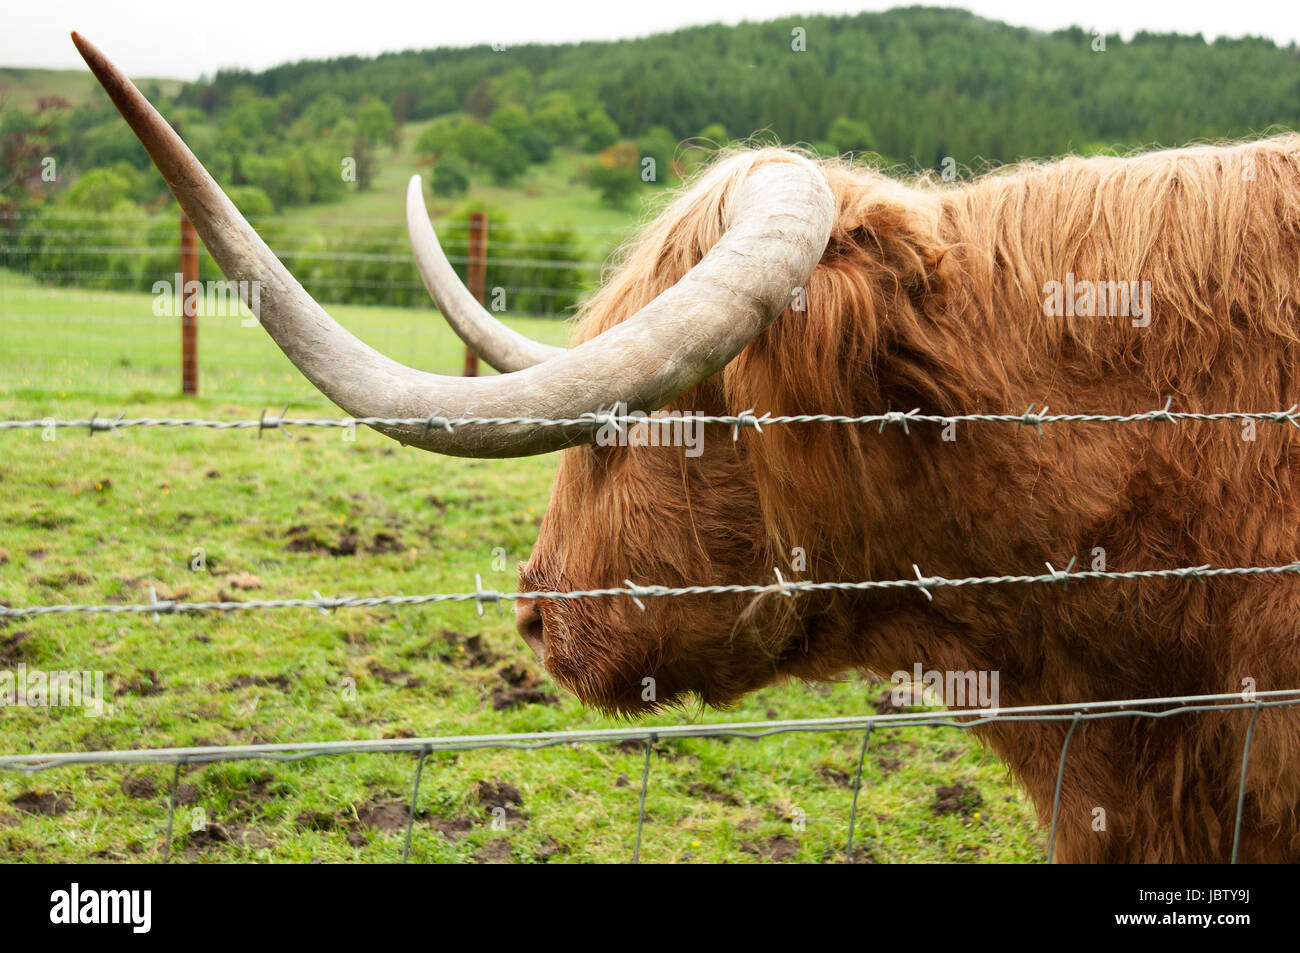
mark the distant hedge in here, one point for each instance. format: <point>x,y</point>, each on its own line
<point>537,271</point>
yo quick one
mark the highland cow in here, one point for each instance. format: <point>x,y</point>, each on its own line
<point>795,285</point>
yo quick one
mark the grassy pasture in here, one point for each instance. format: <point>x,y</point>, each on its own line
<point>24,87</point>
<point>104,519</point>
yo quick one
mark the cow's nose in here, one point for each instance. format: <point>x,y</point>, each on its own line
<point>528,620</point>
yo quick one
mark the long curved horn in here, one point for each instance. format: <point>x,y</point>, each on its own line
<point>502,347</point>
<point>778,223</point>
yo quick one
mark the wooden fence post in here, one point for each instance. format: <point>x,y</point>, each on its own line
<point>190,292</point>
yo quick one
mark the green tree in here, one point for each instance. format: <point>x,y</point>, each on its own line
<point>850,135</point>
<point>506,164</point>
<point>252,201</point>
<point>660,145</point>
<point>437,137</point>
<point>479,103</point>
<point>450,176</point>
<point>99,191</point>
<point>556,114</point>
<point>322,113</point>
<point>522,134</point>
<point>615,173</point>
<point>512,88</point>
<point>476,143</point>
<point>297,179</point>
<point>598,131</point>
<point>363,153</point>
<point>711,136</point>
<point>374,121</point>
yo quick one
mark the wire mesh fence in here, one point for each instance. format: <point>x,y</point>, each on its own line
<point>539,270</point>
<point>426,747</point>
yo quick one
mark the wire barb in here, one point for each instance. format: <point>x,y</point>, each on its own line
<point>781,583</point>
<point>746,418</point>
<point>602,417</point>
<point>924,583</point>
<point>1165,413</point>
<point>634,590</point>
<point>1062,574</point>
<point>489,595</point>
<point>898,417</point>
<point>442,423</point>
<point>1031,419</point>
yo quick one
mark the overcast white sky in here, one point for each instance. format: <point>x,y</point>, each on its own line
<point>148,38</point>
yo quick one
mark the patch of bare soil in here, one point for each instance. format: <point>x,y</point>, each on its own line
<point>495,851</point>
<point>43,803</point>
<point>281,682</point>
<point>145,683</point>
<point>395,676</point>
<point>777,849</point>
<point>12,650</point>
<point>214,834</point>
<point>134,785</point>
<point>956,799</point>
<point>521,687</point>
<point>304,539</point>
<point>503,796</point>
<point>707,792</point>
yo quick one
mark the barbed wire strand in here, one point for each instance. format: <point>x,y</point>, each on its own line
<point>784,587</point>
<point>748,419</point>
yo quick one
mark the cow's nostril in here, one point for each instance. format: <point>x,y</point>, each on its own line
<point>528,620</point>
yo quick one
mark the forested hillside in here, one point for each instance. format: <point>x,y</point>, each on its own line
<point>911,88</point>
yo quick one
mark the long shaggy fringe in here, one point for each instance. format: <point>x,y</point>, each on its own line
<point>932,296</point>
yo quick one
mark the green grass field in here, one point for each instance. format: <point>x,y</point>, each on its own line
<point>25,87</point>
<point>553,193</point>
<point>104,519</point>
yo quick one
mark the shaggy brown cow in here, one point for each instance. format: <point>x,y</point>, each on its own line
<point>931,297</point>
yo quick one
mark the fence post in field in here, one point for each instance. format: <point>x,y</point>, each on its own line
<point>476,274</point>
<point>190,291</point>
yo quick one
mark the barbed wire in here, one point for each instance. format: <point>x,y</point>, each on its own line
<point>638,592</point>
<point>747,419</point>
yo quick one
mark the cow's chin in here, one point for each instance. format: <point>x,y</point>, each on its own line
<point>636,673</point>
<point>603,674</point>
